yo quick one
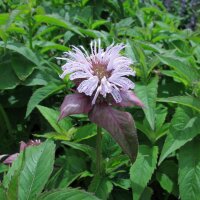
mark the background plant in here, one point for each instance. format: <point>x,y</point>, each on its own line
<point>166,57</point>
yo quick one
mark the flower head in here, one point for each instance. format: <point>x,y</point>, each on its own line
<point>101,75</point>
<point>101,80</point>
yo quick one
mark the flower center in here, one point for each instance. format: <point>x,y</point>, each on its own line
<point>100,71</point>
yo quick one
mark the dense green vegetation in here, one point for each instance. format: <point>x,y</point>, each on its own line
<point>163,40</point>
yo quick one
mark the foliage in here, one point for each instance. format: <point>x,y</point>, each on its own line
<point>166,58</point>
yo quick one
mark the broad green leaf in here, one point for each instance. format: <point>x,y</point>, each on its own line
<point>22,67</point>
<point>40,94</point>
<point>167,176</point>
<point>12,191</point>
<point>52,116</point>
<point>181,66</point>
<point>23,50</point>
<point>47,45</point>
<point>188,101</point>
<point>38,166</point>
<point>84,132</point>
<point>57,21</point>
<point>8,78</point>
<point>101,187</point>
<point>142,170</point>
<point>189,171</point>
<point>82,147</point>
<point>67,194</point>
<point>184,127</point>
<point>98,23</point>
<point>148,94</point>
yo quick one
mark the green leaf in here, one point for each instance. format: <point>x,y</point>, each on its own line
<point>184,127</point>
<point>181,66</point>
<point>84,132</point>
<point>52,116</point>
<point>40,94</point>
<point>67,194</point>
<point>148,94</point>
<point>82,147</point>
<point>147,194</point>
<point>57,21</point>
<point>167,176</point>
<point>16,166</point>
<point>22,67</point>
<point>3,168</point>
<point>101,186</point>
<point>47,45</point>
<point>188,101</point>
<point>140,57</point>
<point>2,194</point>
<point>12,192</point>
<point>8,78</point>
<point>142,170</point>
<point>38,165</point>
<point>189,171</point>
<point>23,50</point>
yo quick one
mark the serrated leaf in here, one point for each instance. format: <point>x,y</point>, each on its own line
<point>148,94</point>
<point>181,66</point>
<point>40,94</point>
<point>67,194</point>
<point>38,165</point>
<point>189,171</point>
<point>142,170</point>
<point>52,116</point>
<point>188,101</point>
<point>184,127</point>
<point>101,186</point>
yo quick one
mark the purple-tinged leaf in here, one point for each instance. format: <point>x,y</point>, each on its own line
<point>129,99</point>
<point>75,104</point>
<point>120,125</point>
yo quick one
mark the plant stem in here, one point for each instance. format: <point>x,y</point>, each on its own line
<point>98,151</point>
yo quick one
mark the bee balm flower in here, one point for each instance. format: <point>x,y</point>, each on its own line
<point>101,75</point>
<point>101,80</point>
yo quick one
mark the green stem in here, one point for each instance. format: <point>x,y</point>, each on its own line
<point>98,151</point>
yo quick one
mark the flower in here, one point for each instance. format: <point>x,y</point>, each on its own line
<point>23,145</point>
<point>101,75</point>
<point>101,80</point>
